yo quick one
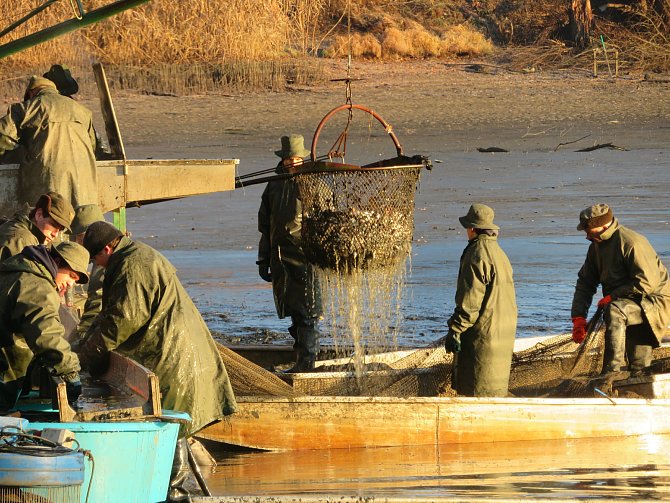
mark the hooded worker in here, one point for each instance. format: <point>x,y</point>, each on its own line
<point>635,288</point>
<point>30,287</point>
<point>58,141</point>
<point>281,259</point>
<point>483,325</point>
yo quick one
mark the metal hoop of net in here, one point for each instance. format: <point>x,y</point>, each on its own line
<point>358,217</point>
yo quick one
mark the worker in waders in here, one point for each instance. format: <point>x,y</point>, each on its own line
<point>148,316</point>
<point>483,325</point>
<point>281,259</point>
<point>57,142</point>
<point>31,284</point>
<point>636,293</point>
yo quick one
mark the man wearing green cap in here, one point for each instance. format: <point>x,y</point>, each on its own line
<point>635,287</point>
<point>31,284</point>
<point>281,259</point>
<point>40,226</point>
<point>58,142</point>
<point>483,325</point>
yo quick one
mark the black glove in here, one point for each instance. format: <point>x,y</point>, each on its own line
<point>72,386</point>
<point>453,342</point>
<point>264,272</point>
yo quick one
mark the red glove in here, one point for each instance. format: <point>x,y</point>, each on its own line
<point>578,329</point>
<point>604,301</point>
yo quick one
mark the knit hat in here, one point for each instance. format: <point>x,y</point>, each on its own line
<point>75,256</point>
<point>479,216</point>
<point>98,235</point>
<point>61,76</point>
<point>594,216</point>
<point>57,207</point>
<point>292,146</point>
<point>84,216</point>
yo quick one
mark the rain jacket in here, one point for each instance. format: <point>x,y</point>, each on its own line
<point>627,266</point>
<point>294,285</point>
<point>59,144</point>
<point>29,304</point>
<point>93,303</point>
<point>16,234</point>
<point>148,316</point>
<point>485,318</point>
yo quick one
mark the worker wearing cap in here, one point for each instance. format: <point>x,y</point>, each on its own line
<point>31,283</point>
<point>148,316</point>
<point>635,288</point>
<point>282,261</point>
<point>84,216</point>
<point>58,141</point>
<point>38,226</point>
<point>483,325</point>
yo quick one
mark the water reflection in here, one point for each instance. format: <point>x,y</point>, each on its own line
<point>628,468</point>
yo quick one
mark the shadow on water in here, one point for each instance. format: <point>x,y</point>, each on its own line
<point>617,468</point>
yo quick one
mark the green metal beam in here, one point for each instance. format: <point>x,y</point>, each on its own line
<point>67,26</point>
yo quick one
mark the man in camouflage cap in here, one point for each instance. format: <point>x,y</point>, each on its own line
<point>58,141</point>
<point>39,226</point>
<point>635,287</point>
<point>483,325</point>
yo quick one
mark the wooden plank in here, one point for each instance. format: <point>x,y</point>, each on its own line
<point>108,113</point>
<point>353,422</point>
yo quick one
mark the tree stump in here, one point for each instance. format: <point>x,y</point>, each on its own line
<point>581,22</point>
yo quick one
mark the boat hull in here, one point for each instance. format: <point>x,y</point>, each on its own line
<point>360,422</point>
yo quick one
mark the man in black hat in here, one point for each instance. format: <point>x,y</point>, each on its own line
<point>31,283</point>
<point>57,136</point>
<point>483,325</point>
<point>281,259</point>
<point>635,287</point>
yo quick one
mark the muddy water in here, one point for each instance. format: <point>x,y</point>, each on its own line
<point>537,196</point>
<point>603,469</point>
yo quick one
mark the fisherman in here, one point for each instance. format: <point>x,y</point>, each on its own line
<point>58,141</point>
<point>84,216</point>
<point>483,325</point>
<point>68,86</point>
<point>281,259</point>
<point>30,284</point>
<point>37,226</point>
<point>148,316</point>
<point>635,288</point>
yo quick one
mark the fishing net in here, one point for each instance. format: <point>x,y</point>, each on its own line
<point>356,218</point>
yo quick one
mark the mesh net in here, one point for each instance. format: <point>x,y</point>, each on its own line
<point>358,218</point>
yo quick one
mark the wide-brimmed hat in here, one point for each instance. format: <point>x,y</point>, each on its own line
<point>84,216</point>
<point>594,216</point>
<point>479,216</point>
<point>75,256</point>
<point>98,235</point>
<point>57,207</point>
<point>292,146</point>
<point>61,76</point>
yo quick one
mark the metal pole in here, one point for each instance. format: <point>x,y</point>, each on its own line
<point>67,26</point>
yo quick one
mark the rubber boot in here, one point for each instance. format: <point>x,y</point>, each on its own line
<point>615,341</point>
<point>179,474</point>
<point>306,346</point>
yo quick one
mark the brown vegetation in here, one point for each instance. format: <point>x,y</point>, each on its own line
<point>236,43</point>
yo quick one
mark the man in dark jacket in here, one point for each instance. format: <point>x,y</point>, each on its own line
<point>635,287</point>
<point>483,325</point>
<point>281,259</point>
<point>30,284</point>
<point>58,141</point>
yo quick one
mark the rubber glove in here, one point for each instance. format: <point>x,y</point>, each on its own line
<point>604,301</point>
<point>264,272</point>
<point>72,386</point>
<point>453,342</point>
<point>579,329</point>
